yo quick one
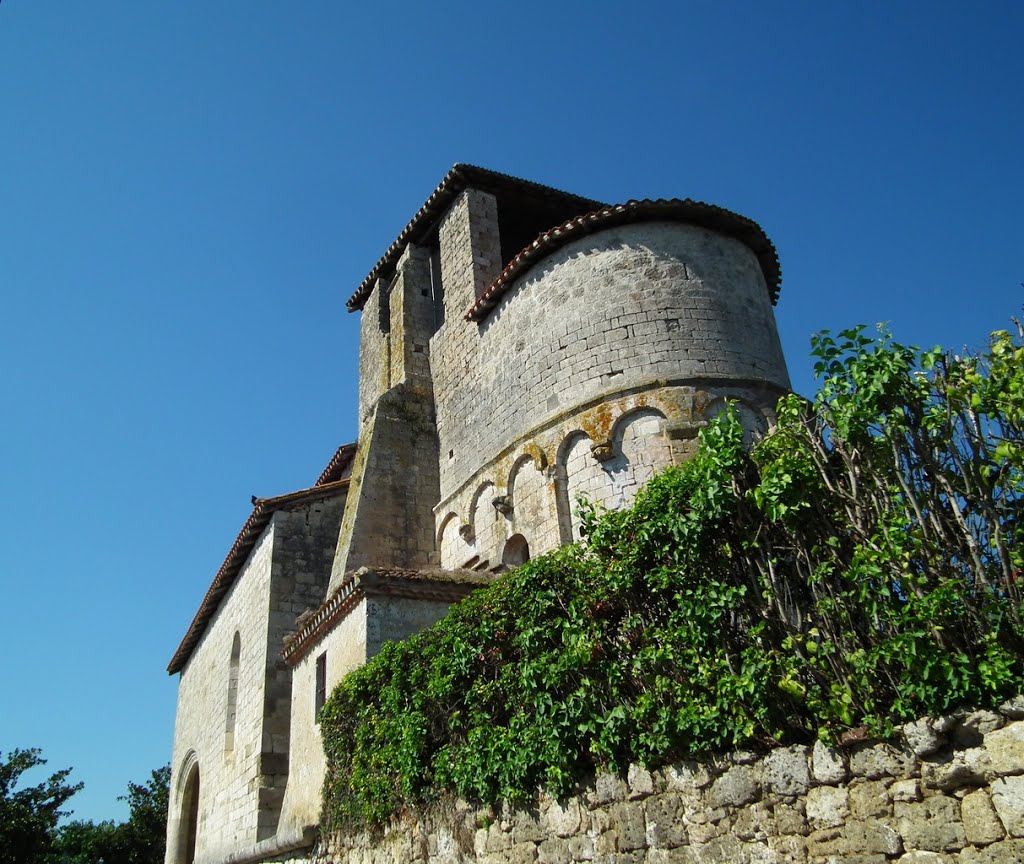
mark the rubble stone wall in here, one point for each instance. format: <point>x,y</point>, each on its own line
<point>949,791</point>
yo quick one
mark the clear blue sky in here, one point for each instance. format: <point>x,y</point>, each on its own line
<point>189,191</point>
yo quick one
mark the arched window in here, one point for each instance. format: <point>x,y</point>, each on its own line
<point>516,552</point>
<point>229,719</point>
<point>189,821</point>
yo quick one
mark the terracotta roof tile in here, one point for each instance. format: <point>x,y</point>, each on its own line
<point>459,178</point>
<point>425,584</point>
<point>262,511</point>
<point>339,464</point>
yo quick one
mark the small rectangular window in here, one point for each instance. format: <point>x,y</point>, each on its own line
<point>321,683</point>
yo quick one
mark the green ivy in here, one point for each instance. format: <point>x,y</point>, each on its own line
<point>859,567</point>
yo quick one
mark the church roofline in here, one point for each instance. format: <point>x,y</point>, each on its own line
<point>341,460</point>
<point>457,180</point>
<point>676,209</point>
<point>424,584</point>
<point>262,512</point>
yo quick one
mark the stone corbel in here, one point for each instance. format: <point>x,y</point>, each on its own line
<point>684,430</point>
<point>603,451</point>
<point>503,504</point>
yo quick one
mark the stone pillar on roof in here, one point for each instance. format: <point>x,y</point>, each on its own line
<point>394,485</point>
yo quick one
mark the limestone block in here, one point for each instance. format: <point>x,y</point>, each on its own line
<point>981,824</point>
<point>788,849</point>
<point>872,837</point>
<point>870,799</point>
<point>725,849</point>
<point>1008,799</point>
<point>791,818</point>
<point>754,822</point>
<point>554,851</point>
<point>685,776</point>
<point>882,760</point>
<point>734,788</point>
<point>971,767</point>
<point>564,820</point>
<point>683,855</point>
<point>523,854</point>
<point>640,782</point>
<point>827,764</point>
<point>628,822</point>
<point>922,737</point>
<point>905,790</point>
<point>528,829</point>
<point>970,731</point>
<point>1013,709</point>
<point>919,856</point>
<point>1003,852</point>
<point>497,839</point>
<point>1006,749</point>
<point>932,824</point>
<point>785,770</point>
<point>824,842</point>
<point>666,827</point>
<point>609,788</point>
<point>827,806</point>
<point>581,847</point>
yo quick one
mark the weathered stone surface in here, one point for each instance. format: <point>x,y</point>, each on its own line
<point>981,824</point>
<point>565,819</point>
<point>582,847</point>
<point>1008,800</point>
<point>828,764</point>
<point>755,822</point>
<point>932,824</point>
<point>922,737</point>
<point>686,776</point>
<point>919,856</point>
<point>1013,709</point>
<point>1006,749</point>
<point>628,823</point>
<point>964,768</point>
<point>665,822</point>
<point>525,853</point>
<point>870,799</point>
<point>609,788</point>
<point>788,849</point>
<point>553,851</point>
<point>683,855</point>
<point>970,731</point>
<point>875,836</point>
<point>528,828</point>
<point>791,818</point>
<point>1003,852</point>
<point>735,787</point>
<point>785,770</point>
<point>724,849</point>
<point>873,761</point>
<point>639,782</point>
<point>905,790</point>
<point>827,806</point>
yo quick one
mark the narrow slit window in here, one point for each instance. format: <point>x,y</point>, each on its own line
<point>321,683</point>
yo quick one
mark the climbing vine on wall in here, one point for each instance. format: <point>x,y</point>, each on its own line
<point>861,566</point>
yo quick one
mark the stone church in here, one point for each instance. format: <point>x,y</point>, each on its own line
<point>519,347</point>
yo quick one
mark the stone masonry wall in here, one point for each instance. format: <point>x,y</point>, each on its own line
<point>612,312</point>
<point>228,800</point>
<point>950,791</point>
<point>242,776</point>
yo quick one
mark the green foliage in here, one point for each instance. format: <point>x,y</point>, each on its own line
<point>140,840</point>
<point>28,815</point>
<point>860,567</point>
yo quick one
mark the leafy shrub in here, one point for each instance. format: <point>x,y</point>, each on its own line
<point>861,566</point>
